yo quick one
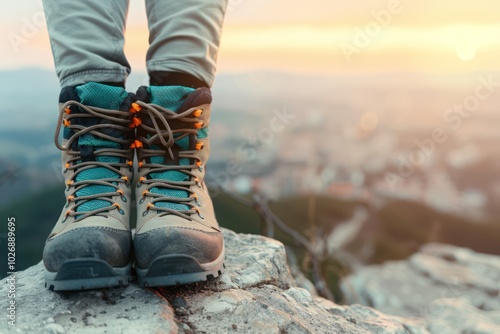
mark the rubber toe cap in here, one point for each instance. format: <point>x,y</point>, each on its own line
<point>110,245</point>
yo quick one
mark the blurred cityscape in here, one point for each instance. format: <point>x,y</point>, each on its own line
<point>348,138</point>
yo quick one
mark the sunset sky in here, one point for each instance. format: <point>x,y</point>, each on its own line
<point>315,36</point>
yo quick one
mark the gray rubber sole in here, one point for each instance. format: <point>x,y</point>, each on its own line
<point>177,269</point>
<point>86,274</point>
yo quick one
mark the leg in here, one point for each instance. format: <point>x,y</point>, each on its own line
<point>87,40</point>
<point>178,239</point>
<point>184,38</point>
<point>90,244</point>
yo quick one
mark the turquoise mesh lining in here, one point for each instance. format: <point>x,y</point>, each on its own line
<point>171,97</point>
<point>107,97</point>
<point>101,96</point>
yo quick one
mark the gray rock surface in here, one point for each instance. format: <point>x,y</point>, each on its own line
<point>451,289</point>
<point>257,294</point>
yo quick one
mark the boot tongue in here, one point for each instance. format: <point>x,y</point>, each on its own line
<point>101,96</point>
<point>98,95</point>
<point>173,98</point>
<point>179,98</point>
<point>170,97</point>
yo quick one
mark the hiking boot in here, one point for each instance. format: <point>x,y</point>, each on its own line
<point>90,246</point>
<point>178,239</point>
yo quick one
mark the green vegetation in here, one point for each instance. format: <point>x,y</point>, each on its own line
<point>414,224</point>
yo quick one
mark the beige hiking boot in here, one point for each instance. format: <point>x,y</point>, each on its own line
<point>178,239</point>
<point>90,246</point>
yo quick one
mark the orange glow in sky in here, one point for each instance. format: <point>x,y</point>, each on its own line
<point>330,37</point>
<point>322,48</point>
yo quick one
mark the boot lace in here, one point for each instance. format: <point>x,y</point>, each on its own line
<point>73,111</point>
<point>167,128</point>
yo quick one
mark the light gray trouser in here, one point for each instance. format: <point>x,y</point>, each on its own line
<point>87,38</point>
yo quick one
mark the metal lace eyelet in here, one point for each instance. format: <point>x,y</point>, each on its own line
<point>66,216</point>
<point>145,213</point>
<point>127,182</point>
<point>139,183</point>
<point>199,213</point>
<point>200,168</point>
<point>197,182</point>
<point>141,200</point>
<point>119,208</point>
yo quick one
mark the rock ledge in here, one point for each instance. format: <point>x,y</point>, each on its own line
<point>257,294</point>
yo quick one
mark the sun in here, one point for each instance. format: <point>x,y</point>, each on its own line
<point>466,52</point>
